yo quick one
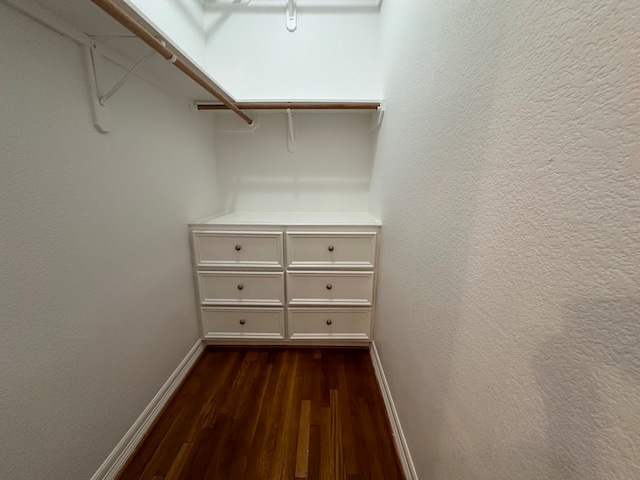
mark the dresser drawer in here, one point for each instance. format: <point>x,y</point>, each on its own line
<point>238,288</point>
<point>346,288</point>
<point>331,250</point>
<point>267,323</point>
<point>324,323</point>
<point>237,249</point>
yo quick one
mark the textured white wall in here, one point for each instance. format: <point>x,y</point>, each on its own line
<point>507,175</point>
<point>330,171</point>
<point>96,298</point>
<point>331,56</point>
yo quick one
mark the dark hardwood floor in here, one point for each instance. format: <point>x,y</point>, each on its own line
<point>262,413</point>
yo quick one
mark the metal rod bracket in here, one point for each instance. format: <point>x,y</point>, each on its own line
<point>291,133</point>
<point>292,15</point>
<point>377,117</point>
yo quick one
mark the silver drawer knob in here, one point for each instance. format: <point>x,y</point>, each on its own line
<point>329,286</point>
<point>238,247</point>
<point>240,287</point>
<point>329,322</point>
<point>330,248</point>
<point>242,322</point>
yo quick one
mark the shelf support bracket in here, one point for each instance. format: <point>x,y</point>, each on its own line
<point>291,133</point>
<point>99,112</point>
<point>96,59</point>
<point>95,72</point>
<point>103,98</point>
<point>292,15</point>
<point>376,118</point>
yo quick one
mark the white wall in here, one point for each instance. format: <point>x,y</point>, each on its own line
<point>96,298</point>
<point>507,176</point>
<point>331,56</point>
<point>181,21</point>
<point>330,170</point>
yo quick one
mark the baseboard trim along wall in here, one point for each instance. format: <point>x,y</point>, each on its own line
<point>398,435</point>
<point>117,458</point>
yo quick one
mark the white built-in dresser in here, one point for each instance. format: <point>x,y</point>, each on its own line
<point>286,278</point>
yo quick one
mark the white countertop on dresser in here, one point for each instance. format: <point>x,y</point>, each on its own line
<point>290,218</point>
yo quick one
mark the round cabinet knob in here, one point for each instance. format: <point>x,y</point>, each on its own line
<point>330,248</point>
<point>240,287</point>
<point>242,322</point>
<point>329,286</point>
<point>329,322</point>
<point>238,247</point>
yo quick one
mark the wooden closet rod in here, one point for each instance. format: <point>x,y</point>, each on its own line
<point>294,106</point>
<point>134,27</point>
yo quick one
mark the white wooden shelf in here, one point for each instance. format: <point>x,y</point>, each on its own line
<point>290,218</point>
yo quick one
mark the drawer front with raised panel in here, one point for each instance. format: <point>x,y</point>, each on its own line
<point>237,249</point>
<point>235,288</point>
<point>250,323</point>
<point>346,288</point>
<point>331,250</point>
<point>329,323</point>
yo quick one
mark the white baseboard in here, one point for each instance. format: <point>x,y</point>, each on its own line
<point>117,458</point>
<point>398,436</point>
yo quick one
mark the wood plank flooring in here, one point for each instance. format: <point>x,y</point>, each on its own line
<point>266,413</point>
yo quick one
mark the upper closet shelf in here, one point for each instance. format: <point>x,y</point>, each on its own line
<point>160,46</point>
<point>292,6</point>
<point>374,108</point>
<point>294,105</point>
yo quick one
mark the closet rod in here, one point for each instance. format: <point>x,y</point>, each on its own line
<point>127,21</point>
<point>294,106</point>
